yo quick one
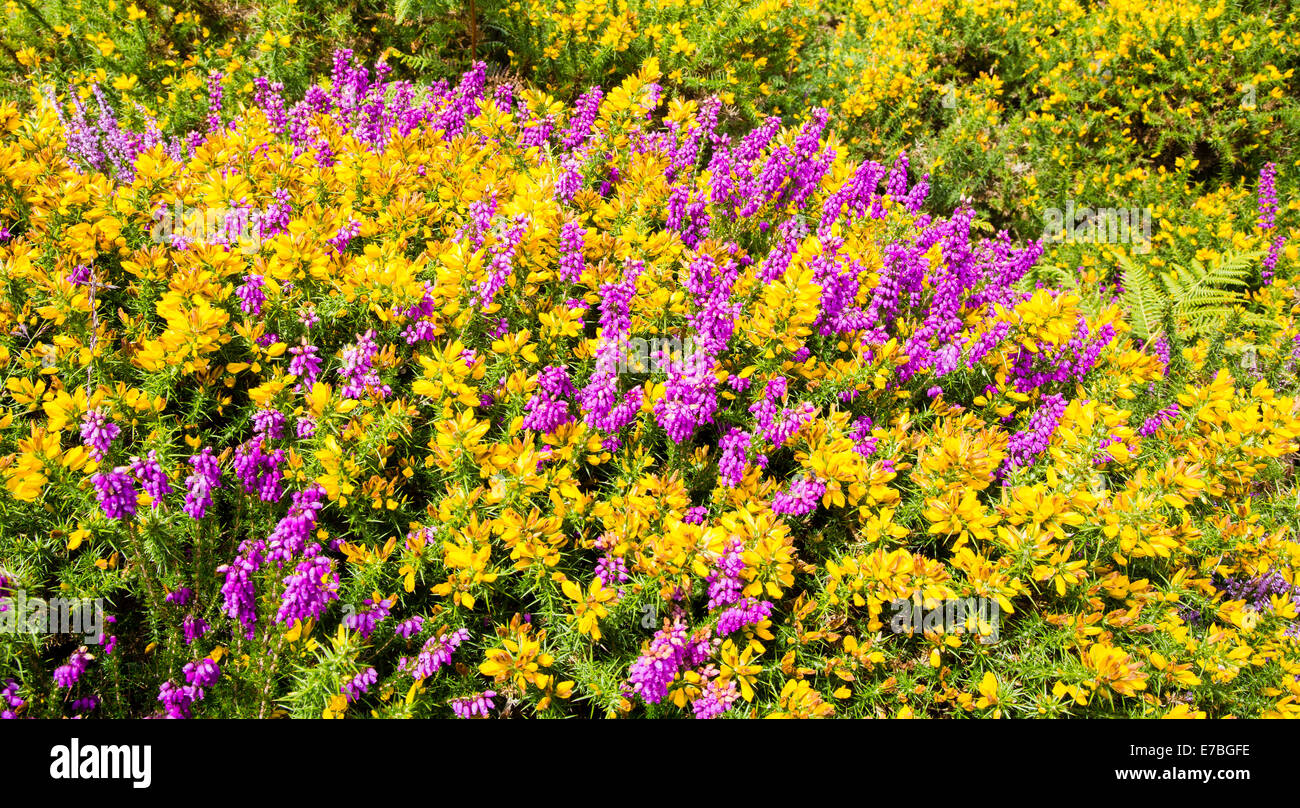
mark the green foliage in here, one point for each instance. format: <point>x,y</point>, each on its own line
<point>1013,107</point>
<point>1144,301</point>
<point>1200,299</point>
<point>1203,298</point>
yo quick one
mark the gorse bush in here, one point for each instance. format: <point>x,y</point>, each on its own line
<point>1025,107</point>
<point>578,384</point>
<point>752,54</point>
<point>422,400</point>
<point>157,56</point>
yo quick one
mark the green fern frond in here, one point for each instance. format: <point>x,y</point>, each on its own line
<point>401,8</point>
<point>1143,299</point>
<point>1202,297</point>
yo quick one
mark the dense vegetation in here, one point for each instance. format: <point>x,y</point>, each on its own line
<point>644,359</point>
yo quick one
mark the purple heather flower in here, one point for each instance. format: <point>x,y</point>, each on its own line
<point>116,492</point>
<point>79,275</point>
<point>501,263</point>
<point>1161,347</point>
<point>357,369</point>
<point>724,579</point>
<point>9,693</point>
<point>1267,196</point>
<point>177,701</point>
<point>308,590</point>
<point>98,432</point>
<point>1152,425</point>
<point>572,242</point>
<point>1024,447</point>
<point>1268,217</point>
<point>789,235</point>
<point>437,652</point>
<point>194,628</point>
<point>305,364</point>
<point>690,396</point>
<point>731,464</point>
<point>307,315</point>
<point>583,118</point>
<point>611,570</point>
<point>200,485</point>
<point>599,399</point>
<point>239,595</point>
<point>548,409</point>
<point>718,697</point>
<point>777,425</point>
<point>259,470</point>
<point>1270,260</point>
<point>86,705</point>
<point>215,94</point>
<point>251,295</point>
<point>203,673</point>
<point>275,219</point>
<point>269,424</point>
<point>713,312</point>
<point>671,650</point>
<point>570,180</point>
<point>480,221</point>
<point>151,476</point>
<point>747,612</point>
<point>803,497</point>
<point>477,704</point>
<point>289,539</point>
<point>269,97</point>
<point>345,235</point>
<point>410,627</point>
<point>359,685</point>
<point>65,676</point>
<point>365,621</point>
<point>1259,590</point>
<point>696,515</point>
<point>739,383</point>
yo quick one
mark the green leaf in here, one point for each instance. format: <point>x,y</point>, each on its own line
<point>400,9</point>
<point>1143,300</point>
<point>1203,297</point>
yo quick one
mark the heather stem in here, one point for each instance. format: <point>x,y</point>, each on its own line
<point>270,679</point>
<point>151,585</point>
